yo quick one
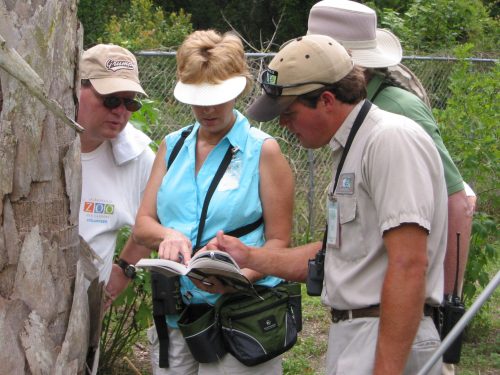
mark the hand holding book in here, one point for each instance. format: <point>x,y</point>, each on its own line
<point>201,266</point>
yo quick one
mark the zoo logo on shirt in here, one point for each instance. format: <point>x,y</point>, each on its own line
<point>98,212</point>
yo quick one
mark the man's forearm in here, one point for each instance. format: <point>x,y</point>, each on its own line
<point>132,251</point>
<point>402,297</point>
<point>290,264</point>
<point>401,311</point>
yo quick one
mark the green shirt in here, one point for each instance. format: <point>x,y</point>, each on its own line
<point>397,100</point>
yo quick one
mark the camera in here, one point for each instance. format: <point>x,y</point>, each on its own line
<point>452,310</point>
<point>315,274</point>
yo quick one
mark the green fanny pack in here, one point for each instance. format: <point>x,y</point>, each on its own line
<point>253,327</point>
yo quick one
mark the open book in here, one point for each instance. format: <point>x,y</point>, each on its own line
<point>202,264</point>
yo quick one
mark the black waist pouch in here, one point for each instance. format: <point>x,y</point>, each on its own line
<point>295,301</point>
<point>202,333</point>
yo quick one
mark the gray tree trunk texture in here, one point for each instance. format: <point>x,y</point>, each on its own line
<point>44,314</point>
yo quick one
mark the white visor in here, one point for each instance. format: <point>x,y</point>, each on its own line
<point>206,94</point>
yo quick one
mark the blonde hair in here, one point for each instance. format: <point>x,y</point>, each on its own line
<point>207,56</point>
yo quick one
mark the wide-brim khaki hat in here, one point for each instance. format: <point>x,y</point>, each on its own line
<point>207,94</point>
<point>303,65</point>
<point>354,25</point>
<point>110,69</point>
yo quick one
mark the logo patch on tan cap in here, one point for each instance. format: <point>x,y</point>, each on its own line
<point>115,65</point>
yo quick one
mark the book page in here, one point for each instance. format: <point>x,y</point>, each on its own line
<point>166,267</point>
<point>220,264</point>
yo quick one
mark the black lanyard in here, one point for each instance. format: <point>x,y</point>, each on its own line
<point>238,232</point>
<point>355,127</point>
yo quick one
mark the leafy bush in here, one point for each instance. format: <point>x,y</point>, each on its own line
<point>144,27</point>
<point>440,25</point>
<point>147,119</point>
<point>469,125</point>
<point>127,318</point>
<point>95,15</point>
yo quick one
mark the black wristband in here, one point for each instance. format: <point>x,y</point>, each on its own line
<point>128,269</point>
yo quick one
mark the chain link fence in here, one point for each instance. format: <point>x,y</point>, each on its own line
<point>312,168</point>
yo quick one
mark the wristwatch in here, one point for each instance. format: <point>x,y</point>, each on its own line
<point>128,269</point>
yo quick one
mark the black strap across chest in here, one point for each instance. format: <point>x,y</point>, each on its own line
<point>355,127</point>
<point>213,185</point>
<point>226,160</point>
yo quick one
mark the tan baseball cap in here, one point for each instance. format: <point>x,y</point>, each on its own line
<point>303,65</point>
<point>110,68</point>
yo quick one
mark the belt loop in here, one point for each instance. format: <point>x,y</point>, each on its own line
<point>350,315</point>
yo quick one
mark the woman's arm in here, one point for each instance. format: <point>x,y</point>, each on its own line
<point>147,230</point>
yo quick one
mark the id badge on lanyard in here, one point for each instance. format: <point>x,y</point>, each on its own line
<point>333,238</point>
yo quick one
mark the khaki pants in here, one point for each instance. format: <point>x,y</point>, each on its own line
<point>351,347</point>
<point>182,362</point>
<point>448,369</point>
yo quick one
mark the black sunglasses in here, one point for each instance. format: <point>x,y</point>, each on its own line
<point>268,80</point>
<point>216,256</point>
<point>112,102</point>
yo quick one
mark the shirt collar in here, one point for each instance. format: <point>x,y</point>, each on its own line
<point>237,136</point>
<point>340,137</point>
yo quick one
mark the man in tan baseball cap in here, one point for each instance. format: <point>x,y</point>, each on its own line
<point>116,158</point>
<point>380,268</point>
<point>110,69</point>
<point>395,88</point>
<point>303,66</point>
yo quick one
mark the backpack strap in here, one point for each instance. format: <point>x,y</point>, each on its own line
<point>211,189</point>
<point>381,88</point>
<point>178,145</point>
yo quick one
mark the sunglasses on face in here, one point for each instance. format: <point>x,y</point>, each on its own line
<point>112,102</point>
<point>268,80</point>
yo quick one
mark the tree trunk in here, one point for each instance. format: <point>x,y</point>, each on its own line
<point>44,318</point>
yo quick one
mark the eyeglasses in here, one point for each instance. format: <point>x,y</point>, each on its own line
<point>112,102</point>
<point>268,80</point>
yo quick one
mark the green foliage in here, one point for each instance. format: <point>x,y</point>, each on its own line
<point>147,119</point>
<point>484,250</point>
<point>127,318</point>
<point>95,14</point>
<point>146,27</point>
<point>469,125</point>
<point>440,25</point>
<point>257,21</point>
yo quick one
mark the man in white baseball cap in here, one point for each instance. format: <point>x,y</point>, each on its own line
<point>354,25</point>
<point>116,158</point>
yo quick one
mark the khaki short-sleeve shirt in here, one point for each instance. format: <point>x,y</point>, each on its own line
<point>392,175</point>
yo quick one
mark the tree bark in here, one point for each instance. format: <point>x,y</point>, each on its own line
<point>44,319</point>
